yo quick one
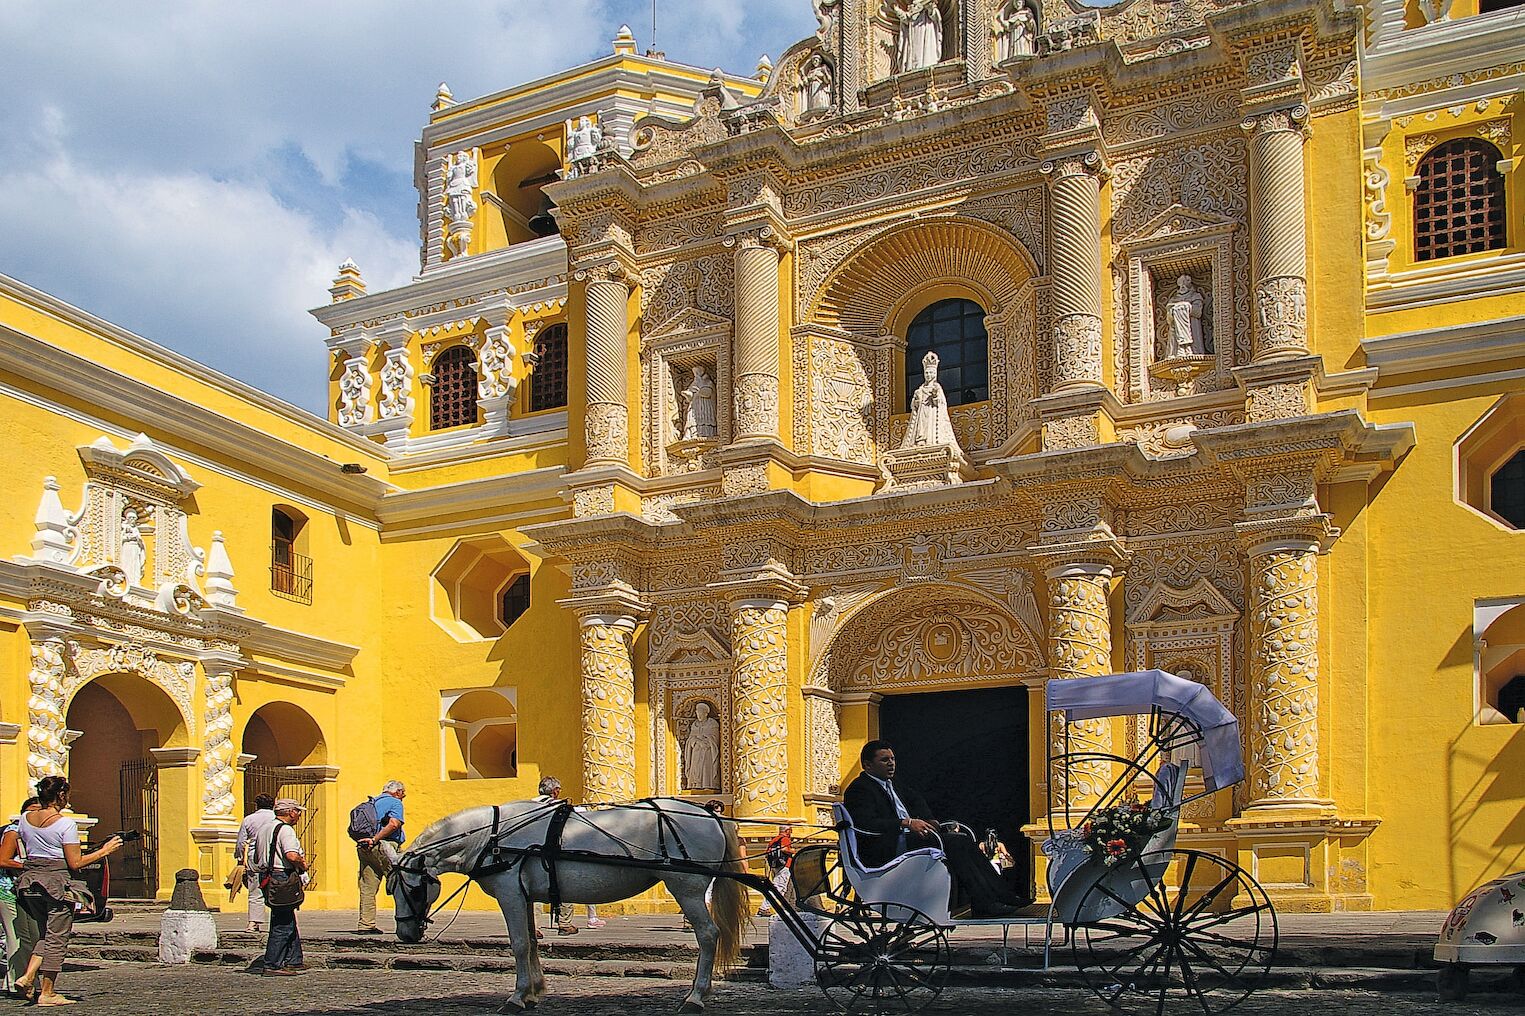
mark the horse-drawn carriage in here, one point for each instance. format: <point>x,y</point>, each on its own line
<point>1147,923</point>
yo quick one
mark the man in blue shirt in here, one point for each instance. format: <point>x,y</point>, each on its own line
<point>379,853</point>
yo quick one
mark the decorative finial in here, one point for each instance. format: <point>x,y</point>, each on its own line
<point>347,284</point>
<point>624,41</point>
<point>764,68</point>
<point>442,98</point>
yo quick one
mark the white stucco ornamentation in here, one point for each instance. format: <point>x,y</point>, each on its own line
<point>460,200</point>
<point>760,710</point>
<point>355,393</point>
<point>396,395</point>
<point>1080,645</point>
<point>608,709</point>
<point>496,365</point>
<point>47,750</point>
<point>217,801</point>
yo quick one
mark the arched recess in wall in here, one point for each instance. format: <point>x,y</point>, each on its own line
<point>517,195</point>
<point>876,293</point>
<point>285,755</point>
<point>127,727</point>
<point>480,734</point>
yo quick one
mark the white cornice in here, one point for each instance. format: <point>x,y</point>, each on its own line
<point>1430,285</point>
<point>1459,47</point>
<point>400,510</point>
<point>299,647</point>
<point>159,355</point>
<point>182,421</point>
<point>537,261</point>
<point>1466,345</point>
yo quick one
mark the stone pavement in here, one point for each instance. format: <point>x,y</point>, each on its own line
<point>133,990</point>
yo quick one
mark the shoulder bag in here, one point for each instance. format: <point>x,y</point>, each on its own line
<point>281,888</point>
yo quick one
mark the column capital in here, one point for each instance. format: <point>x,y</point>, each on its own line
<point>1082,163</point>
<point>1099,558</point>
<point>614,270</point>
<point>1285,119</point>
<point>769,587</point>
<point>753,235</point>
<point>620,607</point>
<point>1308,534</point>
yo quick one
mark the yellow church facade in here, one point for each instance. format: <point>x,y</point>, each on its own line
<point>643,481</point>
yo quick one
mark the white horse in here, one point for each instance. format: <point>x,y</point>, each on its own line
<point>676,841</point>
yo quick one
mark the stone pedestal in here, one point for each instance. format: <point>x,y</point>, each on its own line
<point>789,965</point>
<point>925,466</point>
<point>183,932</point>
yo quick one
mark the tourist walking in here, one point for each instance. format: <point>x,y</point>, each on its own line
<point>550,790</point>
<point>20,932</point>
<point>282,869</point>
<point>51,842</point>
<point>256,825</point>
<point>379,850</point>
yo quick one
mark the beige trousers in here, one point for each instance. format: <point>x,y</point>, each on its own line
<point>375,862</point>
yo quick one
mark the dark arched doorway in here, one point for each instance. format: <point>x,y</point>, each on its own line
<point>285,754</point>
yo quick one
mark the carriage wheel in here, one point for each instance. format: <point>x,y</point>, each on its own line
<point>882,958</point>
<point>1204,943</point>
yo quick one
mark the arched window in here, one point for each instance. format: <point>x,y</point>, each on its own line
<point>290,571</point>
<point>1459,203</point>
<point>453,396</point>
<point>955,331</point>
<point>1506,493</point>
<point>548,381</point>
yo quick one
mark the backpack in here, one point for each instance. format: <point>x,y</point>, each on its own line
<point>364,824</point>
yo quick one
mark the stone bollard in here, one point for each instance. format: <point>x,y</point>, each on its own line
<point>188,925</point>
<point>789,965</point>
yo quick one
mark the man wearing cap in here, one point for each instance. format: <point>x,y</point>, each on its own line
<point>282,850</point>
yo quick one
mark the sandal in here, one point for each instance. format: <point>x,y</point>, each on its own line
<point>55,1000</point>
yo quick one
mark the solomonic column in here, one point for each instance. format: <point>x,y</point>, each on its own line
<point>1280,251</point>
<point>1283,735</point>
<point>760,706</point>
<point>1074,190</point>
<point>608,707</point>
<point>757,334</point>
<point>1080,645</point>
<point>606,425</point>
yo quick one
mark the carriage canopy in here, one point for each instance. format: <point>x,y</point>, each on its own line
<point>1089,698</point>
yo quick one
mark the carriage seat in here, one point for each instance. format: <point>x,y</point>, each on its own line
<point>916,879</point>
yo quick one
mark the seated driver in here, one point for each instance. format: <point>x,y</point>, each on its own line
<point>892,820</point>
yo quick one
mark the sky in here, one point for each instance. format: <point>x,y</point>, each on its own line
<point>196,170</point>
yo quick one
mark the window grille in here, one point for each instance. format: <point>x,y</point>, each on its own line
<point>955,331</point>
<point>515,601</point>
<point>1459,203</point>
<point>453,396</point>
<point>548,382</point>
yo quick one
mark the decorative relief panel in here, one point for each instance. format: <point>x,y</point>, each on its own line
<point>954,643</point>
<point>706,281</point>
<point>686,422</point>
<point>843,406</point>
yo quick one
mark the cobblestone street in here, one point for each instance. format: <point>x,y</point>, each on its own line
<point>139,990</point>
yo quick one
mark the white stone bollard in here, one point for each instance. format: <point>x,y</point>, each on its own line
<point>183,932</point>
<point>789,964</point>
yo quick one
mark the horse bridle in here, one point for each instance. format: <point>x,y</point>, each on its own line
<point>420,896</point>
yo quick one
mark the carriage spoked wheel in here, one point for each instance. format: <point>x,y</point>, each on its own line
<point>1201,939</point>
<point>882,958</point>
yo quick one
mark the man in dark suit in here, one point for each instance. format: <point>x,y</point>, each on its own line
<point>892,820</point>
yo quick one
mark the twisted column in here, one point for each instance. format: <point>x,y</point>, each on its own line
<point>217,754</point>
<point>1283,686</point>
<point>1280,250</point>
<point>47,743</point>
<point>759,706</point>
<point>606,425</point>
<point>757,342</point>
<point>1074,183</point>
<point>1080,645</point>
<point>608,708</point>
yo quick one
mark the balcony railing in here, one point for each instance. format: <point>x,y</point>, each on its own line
<point>290,574</point>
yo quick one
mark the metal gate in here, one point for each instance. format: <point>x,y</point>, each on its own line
<point>301,787</point>
<point>136,872</point>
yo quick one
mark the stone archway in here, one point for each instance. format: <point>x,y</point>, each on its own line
<point>126,753</point>
<point>284,754</point>
<point>929,636</point>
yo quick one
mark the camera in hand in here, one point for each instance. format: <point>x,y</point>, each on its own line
<point>128,835</point>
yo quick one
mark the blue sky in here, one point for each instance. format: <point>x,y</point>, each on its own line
<point>196,170</point>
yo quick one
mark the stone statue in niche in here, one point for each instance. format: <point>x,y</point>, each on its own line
<point>460,206</point>
<point>701,752</point>
<point>929,424</point>
<point>919,37</point>
<point>816,88</point>
<point>699,407</point>
<point>1183,321</point>
<point>1016,31</point>
<point>132,554</point>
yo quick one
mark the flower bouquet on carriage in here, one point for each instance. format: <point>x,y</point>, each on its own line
<point>1117,833</point>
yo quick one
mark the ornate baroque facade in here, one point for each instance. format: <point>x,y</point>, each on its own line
<point>1229,424</point>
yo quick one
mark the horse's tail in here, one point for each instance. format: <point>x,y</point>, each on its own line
<point>729,905</point>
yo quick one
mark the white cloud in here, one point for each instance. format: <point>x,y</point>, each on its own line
<point>152,154</point>
<point>218,270</point>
